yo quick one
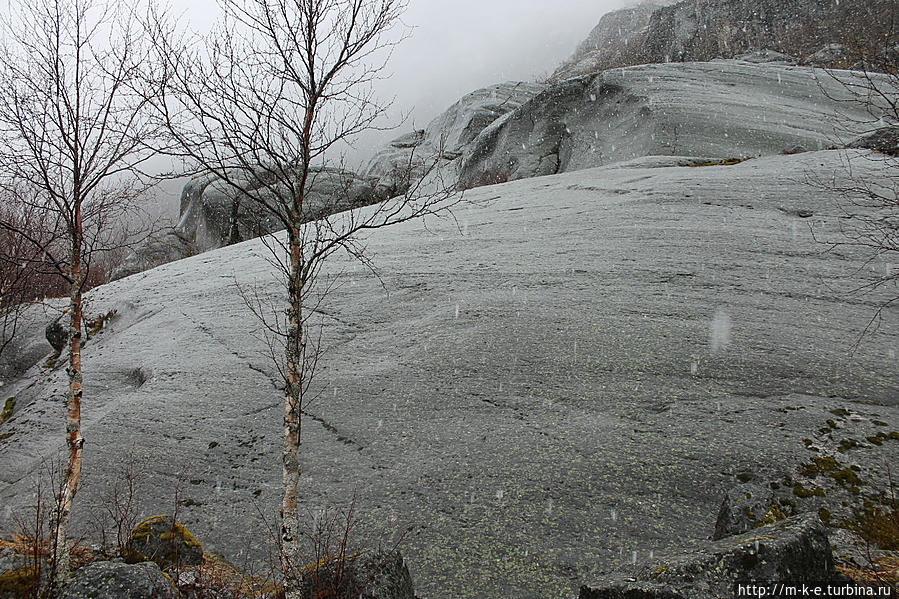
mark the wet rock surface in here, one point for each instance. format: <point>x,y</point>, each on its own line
<point>793,551</point>
<point>113,580</point>
<point>576,369</point>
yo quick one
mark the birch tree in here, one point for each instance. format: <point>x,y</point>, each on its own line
<point>73,133</point>
<point>264,104</point>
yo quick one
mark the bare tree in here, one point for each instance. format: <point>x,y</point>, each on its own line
<point>868,184</point>
<point>264,106</point>
<point>73,133</point>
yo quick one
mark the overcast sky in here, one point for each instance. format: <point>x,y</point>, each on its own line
<point>455,47</point>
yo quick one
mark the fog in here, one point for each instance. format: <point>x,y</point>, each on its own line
<point>453,48</point>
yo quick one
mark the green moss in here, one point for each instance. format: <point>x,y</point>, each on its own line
<point>847,477</point>
<point>839,412</point>
<point>20,582</point>
<point>819,465</point>
<point>879,423</point>
<point>876,439</point>
<point>8,407</point>
<point>847,444</point>
<point>824,514</point>
<point>213,444</point>
<point>803,492</point>
<point>832,423</point>
<point>894,435</point>
<point>4,436</point>
<point>50,364</point>
<point>745,477</point>
<point>659,572</point>
<point>773,515</point>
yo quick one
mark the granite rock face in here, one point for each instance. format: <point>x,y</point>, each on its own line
<point>703,30</point>
<point>213,215</point>
<point>112,580</point>
<point>411,155</point>
<point>792,551</point>
<point>545,390</point>
<point>722,109</point>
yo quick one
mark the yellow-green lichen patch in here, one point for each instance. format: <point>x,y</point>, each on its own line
<point>799,490</point>
<point>160,540</point>
<point>847,444</point>
<point>824,514</point>
<point>8,406</point>
<point>819,465</point>
<point>50,364</point>
<point>774,515</point>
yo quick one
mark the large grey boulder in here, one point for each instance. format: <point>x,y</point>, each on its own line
<point>444,139</point>
<point>113,580</point>
<point>376,575</point>
<point>792,551</point>
<point>214,214</point>
<point>722,109</point>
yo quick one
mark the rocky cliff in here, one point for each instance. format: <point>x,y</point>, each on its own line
<point>702,30</point>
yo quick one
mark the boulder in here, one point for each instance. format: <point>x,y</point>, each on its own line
<point>376,575</point>
<point>745,507</point>
<point>828,56</point>
<point>57,333</point>
<point>114,580</point>
<point>213,215</point>
<point>884,140</point>
<point>724,109</point>
<point>795,550</point>
<point>161,248</point>
<point>157,539</point>
<point>410,156</point>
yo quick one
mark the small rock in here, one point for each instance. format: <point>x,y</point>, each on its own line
<point>743,508</point>
<point>57,333</point>
<point>110,580</point>
<point>156,539</point>
<point>377,575</point>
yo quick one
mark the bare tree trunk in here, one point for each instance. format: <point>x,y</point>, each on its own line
<point>292,419</point>
<point>73,420</point>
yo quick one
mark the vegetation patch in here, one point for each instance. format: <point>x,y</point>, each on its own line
<point>803,492</point>
<point>725,162</point>
<point>877,524</point>
<point>21,582</point>
<point>8,406</point>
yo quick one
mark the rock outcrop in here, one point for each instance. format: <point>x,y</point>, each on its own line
<point>158,539</point>
<point>793,551</point>
<point>114,580</point>
<point>720,109</point>
<point>409,156</point>
<point>703,30</point>
<point>213,215</point>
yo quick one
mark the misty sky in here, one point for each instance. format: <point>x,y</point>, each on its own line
<point>455,47</point>
<point>461,45</point>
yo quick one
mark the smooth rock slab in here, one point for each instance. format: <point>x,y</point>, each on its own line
<point>112,580</point>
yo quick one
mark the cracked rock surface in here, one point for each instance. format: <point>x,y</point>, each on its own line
<point>563,379</point>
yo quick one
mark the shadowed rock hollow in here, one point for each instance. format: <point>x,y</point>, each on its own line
<point>562,379</point>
